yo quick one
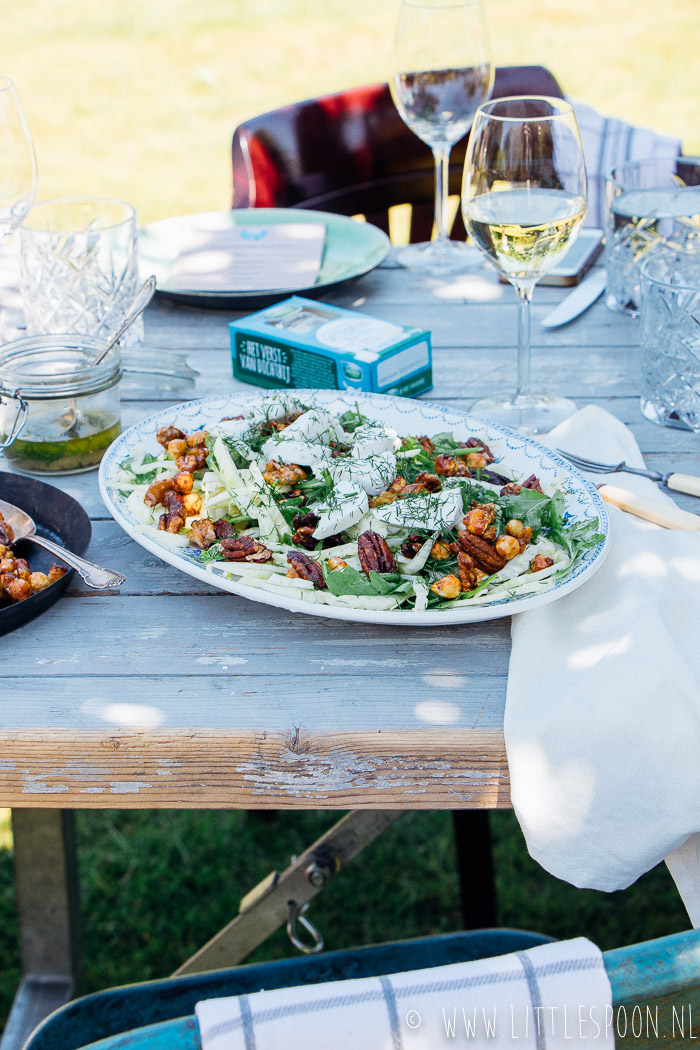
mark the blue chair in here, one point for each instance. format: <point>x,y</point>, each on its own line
<point>158,1015</point>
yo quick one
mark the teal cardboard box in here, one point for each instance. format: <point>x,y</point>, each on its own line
<point>303,343</point>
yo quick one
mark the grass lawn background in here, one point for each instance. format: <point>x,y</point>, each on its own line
<point>138,100</point>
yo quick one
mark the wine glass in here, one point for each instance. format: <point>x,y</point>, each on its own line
<point>523,202</point>
<point>17,162</point>
<point>442,72</point>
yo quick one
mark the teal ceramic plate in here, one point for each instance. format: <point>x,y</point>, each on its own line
<point>352,248</point>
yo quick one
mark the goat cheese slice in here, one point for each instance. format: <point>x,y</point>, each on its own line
<point>293,450</point>
<point>373,475</point>
<point>317,426</point>
<point>373,438</point>
<point>346,505</point>
<point>423,510</point>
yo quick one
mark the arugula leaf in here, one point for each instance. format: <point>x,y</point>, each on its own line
<point>350,581</point>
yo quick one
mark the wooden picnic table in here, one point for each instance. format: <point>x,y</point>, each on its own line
<point>172,694</point>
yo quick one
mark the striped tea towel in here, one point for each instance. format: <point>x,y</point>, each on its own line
<point>549,998</point>
<point>607,142</point>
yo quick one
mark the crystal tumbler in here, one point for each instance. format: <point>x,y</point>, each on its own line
<point>79,267</point>
<point>648,209</point>
<point>670,287</point>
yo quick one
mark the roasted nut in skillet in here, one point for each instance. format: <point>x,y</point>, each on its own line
<point>301,565</point>
<point>374,553</point>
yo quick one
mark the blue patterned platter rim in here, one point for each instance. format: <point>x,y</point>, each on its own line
<point>521,456</point>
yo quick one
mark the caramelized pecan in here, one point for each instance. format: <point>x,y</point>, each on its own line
<point>304,537</point>
<point>451,466</point>
<point>411,546</point>
<point>484,449</point>
<point>283,473</point>
<point>374,553</point>
<point>166,434</point>
<point>430,482</point>
<point>306,568</point>
<point>467,570</point>
<point>532,483</point>
<point>223,529</point>
<point>202,534</point>
<point>485,556</point>
<point>245,548</point>
<point>300,521</point>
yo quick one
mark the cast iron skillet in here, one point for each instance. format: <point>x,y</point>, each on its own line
<point>57,516</point>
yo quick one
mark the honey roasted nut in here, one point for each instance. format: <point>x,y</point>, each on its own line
<point>440,551</point>
<point>447,587</point>
<point>389,495</point>
<point>483,553</point>
<point>466,567</point>
<point>304,537</point>
<point>374,553</point>
<point>451,466</point>
<point>283,473</point>
<point>479,518</point>
<point>307,569</point>
<point>166,434</point>
<point>245,548</point>
<point>202,534</point>
<point>508,546</point>
<point>193,459</point>
<point>430,482</point>
<point>540,562</point>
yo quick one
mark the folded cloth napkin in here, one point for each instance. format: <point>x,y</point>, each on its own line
<point>602,721</point>
<point>607,142</point>
<point>562,985</point>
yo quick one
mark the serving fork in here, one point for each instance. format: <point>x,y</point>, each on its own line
<point>679,482</point>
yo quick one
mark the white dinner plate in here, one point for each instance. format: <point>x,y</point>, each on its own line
<point>351,249</point>
<point>519,457</point>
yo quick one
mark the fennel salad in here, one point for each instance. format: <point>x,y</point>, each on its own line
<point>340,509</point>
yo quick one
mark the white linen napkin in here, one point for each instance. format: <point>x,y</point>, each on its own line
<point>607,142</point>
<point>602,721</point>
<point>562,985</point>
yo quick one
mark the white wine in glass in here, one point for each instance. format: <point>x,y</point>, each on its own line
<point>524,202</point>
<point>442,73</point>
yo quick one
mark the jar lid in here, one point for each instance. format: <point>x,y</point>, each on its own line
<point>43,367</point>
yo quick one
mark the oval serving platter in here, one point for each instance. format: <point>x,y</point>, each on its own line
<point>521,455</point>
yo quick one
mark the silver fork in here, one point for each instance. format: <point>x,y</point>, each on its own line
<point>679,482</point>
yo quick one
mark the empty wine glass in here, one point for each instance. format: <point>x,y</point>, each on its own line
<point>17,162</point>
<point>442,72</point>
<point>523,202</point>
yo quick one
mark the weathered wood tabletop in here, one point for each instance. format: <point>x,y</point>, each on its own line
<point>171,694</point>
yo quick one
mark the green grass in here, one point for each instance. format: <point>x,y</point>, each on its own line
<point>155,885</point>
<point>139,100</point>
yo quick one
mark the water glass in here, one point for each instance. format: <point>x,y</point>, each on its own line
<point>647,210</point>
<point>670,286</point>
<point>79,267</point>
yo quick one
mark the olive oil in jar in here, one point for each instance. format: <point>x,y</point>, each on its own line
<point>72,405</point>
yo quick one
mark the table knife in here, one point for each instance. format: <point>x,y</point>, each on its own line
<point>577,301</point>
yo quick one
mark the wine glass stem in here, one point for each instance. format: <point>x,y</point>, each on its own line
<point>524,291</point>
<point>442,174</point>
